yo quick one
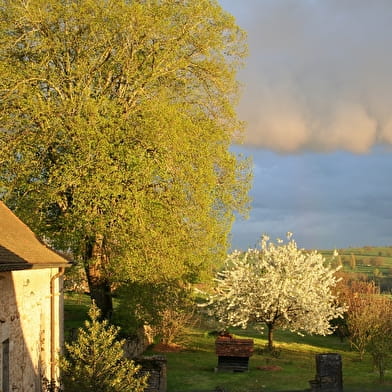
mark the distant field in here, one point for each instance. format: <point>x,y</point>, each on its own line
<point>374,263</point>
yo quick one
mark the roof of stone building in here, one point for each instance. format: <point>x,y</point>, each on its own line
<point>20,248</point>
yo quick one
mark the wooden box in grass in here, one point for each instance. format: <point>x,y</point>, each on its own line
<point>233,354</point>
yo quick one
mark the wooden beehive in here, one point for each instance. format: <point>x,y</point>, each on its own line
<point>228,346</point>
<point>233,354</point>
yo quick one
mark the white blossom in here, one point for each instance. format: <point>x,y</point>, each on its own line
<point>278,285</point>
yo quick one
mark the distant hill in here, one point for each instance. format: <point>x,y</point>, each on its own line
<point>374,263</point>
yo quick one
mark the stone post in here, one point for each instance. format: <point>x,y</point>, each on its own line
<point>156,367</point>
<point>329,373</point>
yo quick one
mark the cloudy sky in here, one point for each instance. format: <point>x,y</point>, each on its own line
<point>317,98</point>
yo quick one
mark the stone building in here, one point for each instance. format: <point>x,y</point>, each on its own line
<point>31,307</point>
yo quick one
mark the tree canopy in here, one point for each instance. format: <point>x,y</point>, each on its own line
<point>116,122</point>
<point>278,285</point>
<point>368,320</point>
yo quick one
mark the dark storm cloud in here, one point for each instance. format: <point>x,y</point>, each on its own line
<point>327,200</point>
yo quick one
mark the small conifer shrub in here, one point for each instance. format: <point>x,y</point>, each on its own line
<point>95,360</point>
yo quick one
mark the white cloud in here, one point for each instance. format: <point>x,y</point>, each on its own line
<point>318,77</point>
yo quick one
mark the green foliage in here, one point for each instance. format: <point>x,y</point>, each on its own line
<point>167,307</point>
<point>369,320</point>
<point>95,361</point>
<point>117,117</point>
<point>75,279</point>
<point>380,342</point>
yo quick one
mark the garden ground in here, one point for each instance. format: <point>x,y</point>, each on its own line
<point>290,368</point>
<point>191,368</point>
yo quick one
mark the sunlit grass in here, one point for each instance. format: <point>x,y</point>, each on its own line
<point>192,369</point>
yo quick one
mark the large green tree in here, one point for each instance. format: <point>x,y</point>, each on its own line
<point>116,121</point>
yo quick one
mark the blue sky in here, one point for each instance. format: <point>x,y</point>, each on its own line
<point>317,99</point>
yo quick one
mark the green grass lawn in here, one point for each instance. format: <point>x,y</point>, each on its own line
<point>75,312</point>
<point>192,369</point>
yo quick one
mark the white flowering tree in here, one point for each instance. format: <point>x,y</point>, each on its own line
<point>279,286</point>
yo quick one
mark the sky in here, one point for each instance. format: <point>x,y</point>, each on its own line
<point>317,100</point>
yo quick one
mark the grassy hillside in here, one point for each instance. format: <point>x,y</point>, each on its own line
<point>374,263</point>
<point>192,368</point>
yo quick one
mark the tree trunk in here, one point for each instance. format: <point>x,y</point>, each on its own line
<point>381,368</point>
<point>270,337</point>
<point>100,291</point>
<point>99,285</point>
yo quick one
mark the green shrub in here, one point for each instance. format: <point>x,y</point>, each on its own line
<point>167,307</point>
<point>95,360</point>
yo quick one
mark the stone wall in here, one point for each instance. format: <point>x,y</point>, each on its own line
<point>25,322</point>
<point>138,344</point>
<point>155,366</point>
